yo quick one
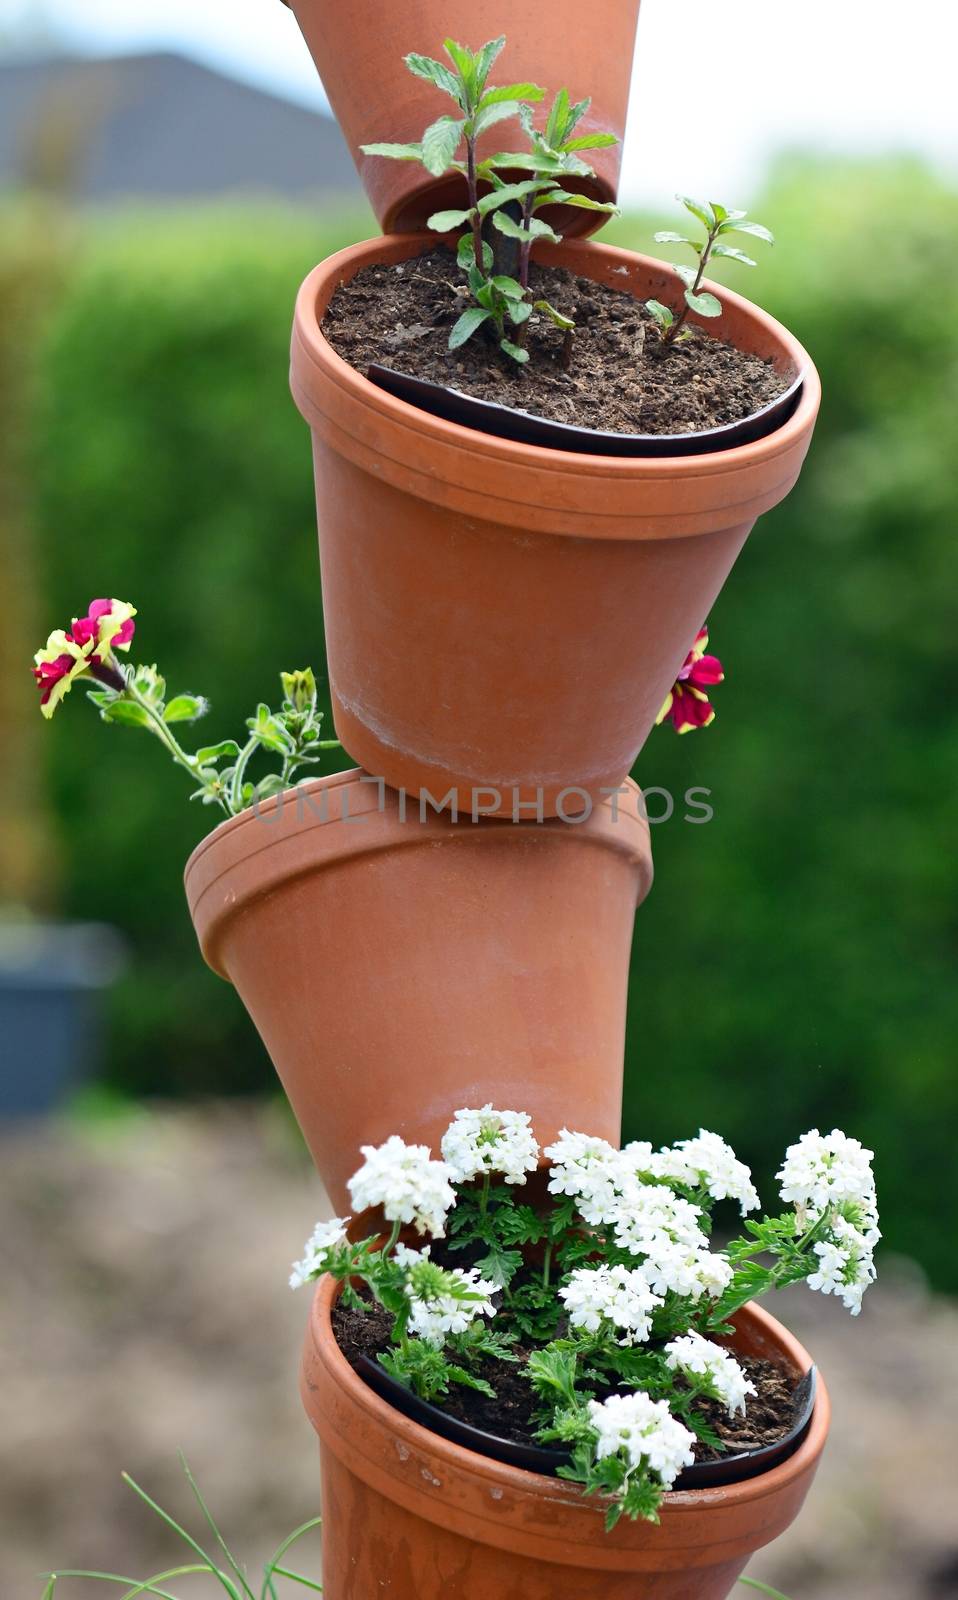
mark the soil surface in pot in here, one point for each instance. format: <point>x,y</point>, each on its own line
<point>770,1413</point>
<point>618,381</point>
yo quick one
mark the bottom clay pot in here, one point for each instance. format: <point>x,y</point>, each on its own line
<point>409,1516</point>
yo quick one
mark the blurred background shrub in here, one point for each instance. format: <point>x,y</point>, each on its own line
<point>795,962</point>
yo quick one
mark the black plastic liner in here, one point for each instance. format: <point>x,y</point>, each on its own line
<point>538,1458</point>
<point>487,416</point>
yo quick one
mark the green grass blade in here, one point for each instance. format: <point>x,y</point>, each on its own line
<point>241,1575</point>
<point>277,1556</point>
<point>187,1538</point>
<point>113,1577</point>
<point>297,1577</point>
<point>763,1588</point>
<point>51,1585</point>
<point>147,1586</point>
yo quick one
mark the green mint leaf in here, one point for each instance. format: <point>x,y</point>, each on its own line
<point>565,323</point>
<point>509,287</point>
<point>515,351</point>
<point>465,64</point>
<point>662,314</point>
<point>667,236</point>
<point>705,304</point>
<point>466,254</point>
<point>512,91</point>
<point>558,117</point>
<point>434,72</point>
<point>590,141</point>
<point>467,325</point>
<point>395,152</point>
<point>583,201</point>
<point>754,228</point>
<point>446,221</point>
<point>486,59</point>
<point>439,144</point>
<point>503,192</point>
<point>490,115</point>
<point>698,210</point>
<point>687,274</point>
<point>733,254</point>
<point>519,312</point>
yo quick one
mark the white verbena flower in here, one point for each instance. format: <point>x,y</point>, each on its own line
<point>645,1432</point>
<point>619,1296</point>
<point>846,1264</point>
<point>406,1182</point>
<point>701,1358</point>
<point>438,1306</point>
<point>324,1238</point>
<point>824,1170</point>
<point>685,1271</point>
<point>707,1162</point>
<point>477,1142</point>
<point>588,1169</point>
<point>649,1215</point>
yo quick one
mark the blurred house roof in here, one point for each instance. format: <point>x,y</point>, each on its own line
<point>159,127</point>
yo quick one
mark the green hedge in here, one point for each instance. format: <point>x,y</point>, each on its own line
<point>795,961</point>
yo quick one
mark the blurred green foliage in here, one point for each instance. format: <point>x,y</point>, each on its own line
<point>795,963</point>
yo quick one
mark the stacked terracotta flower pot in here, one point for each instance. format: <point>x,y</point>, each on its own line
<point>451,923</point>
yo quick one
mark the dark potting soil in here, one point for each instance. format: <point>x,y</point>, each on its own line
<point>618,382</point>
<point>769,1416</point>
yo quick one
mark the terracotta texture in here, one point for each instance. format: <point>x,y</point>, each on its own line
<point>498,613</point>
<point>359,48</point>
<point>397,970</point>
<point>411,1517</point>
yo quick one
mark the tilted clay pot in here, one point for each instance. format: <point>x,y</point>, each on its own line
<point>400,969</point>
<point>359,48</point>
<point>507,615</point>
<point>409,1516</point>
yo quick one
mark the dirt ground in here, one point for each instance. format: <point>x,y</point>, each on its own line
<point>144,1309</point>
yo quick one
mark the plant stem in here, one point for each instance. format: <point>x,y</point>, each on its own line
<point>484,1194</point>
<point>547,1263</point>
<point>671,334</point>
<point>525,245</point>
<point>239,773</point>
<point>163,733</point>
<point>474,198</point>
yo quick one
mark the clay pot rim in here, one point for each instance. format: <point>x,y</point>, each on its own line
<point>341,266</point>
<point>456,1458</point>
<point>231,846</point>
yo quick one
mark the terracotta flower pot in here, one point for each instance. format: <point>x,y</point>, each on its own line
<point>412,1517</point>
<point>399,969</point>
<point>507,615</point>
<point>359,47</point>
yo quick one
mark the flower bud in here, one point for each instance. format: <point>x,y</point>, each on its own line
<point>300,689</point>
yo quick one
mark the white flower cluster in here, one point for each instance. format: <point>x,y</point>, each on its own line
<point>830,1176</point>
<point>477,1142</point>
<point>687,1272</point>
<point>707,1162</point>
<point>645,1432</point>
<point>591,1171</point>
<point>406,1182</point>
<point>597,1296</point>
<point>325,1237</point>
<point>700,1358</point>
<point>436,1300</point>
<point>824,1170</point>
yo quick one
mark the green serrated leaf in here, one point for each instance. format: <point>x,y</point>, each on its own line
<point>519,312</point>
<point>394,152</point>
<point>467,325</point>
<point>465,64</point>
<point>687,274</point>
<point>756,230</point>
<point>698,210</point>
<point>662,314</point>
<point>466,254</point>
<point>490,115</point>
<point>583,201</point>
<point>515,351</point>
<point>558,117</point>
<point>704,304</point>
<point>537,229</point>
<point>434,72</point>
<point>448,221</point>
<point>504,192</point>
<point>733,254</point>
<point>590,141</point>
<point>486,59</point>
<point>509,287</point>
<point>667,236</point>
<point>185,708</point>
<point>512,91</point>
<point>440,143</point>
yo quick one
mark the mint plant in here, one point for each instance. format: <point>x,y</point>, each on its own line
<point>608,1296</point>
<point>502,300</point>
<point>718,223</point>
<point>136,697</point>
